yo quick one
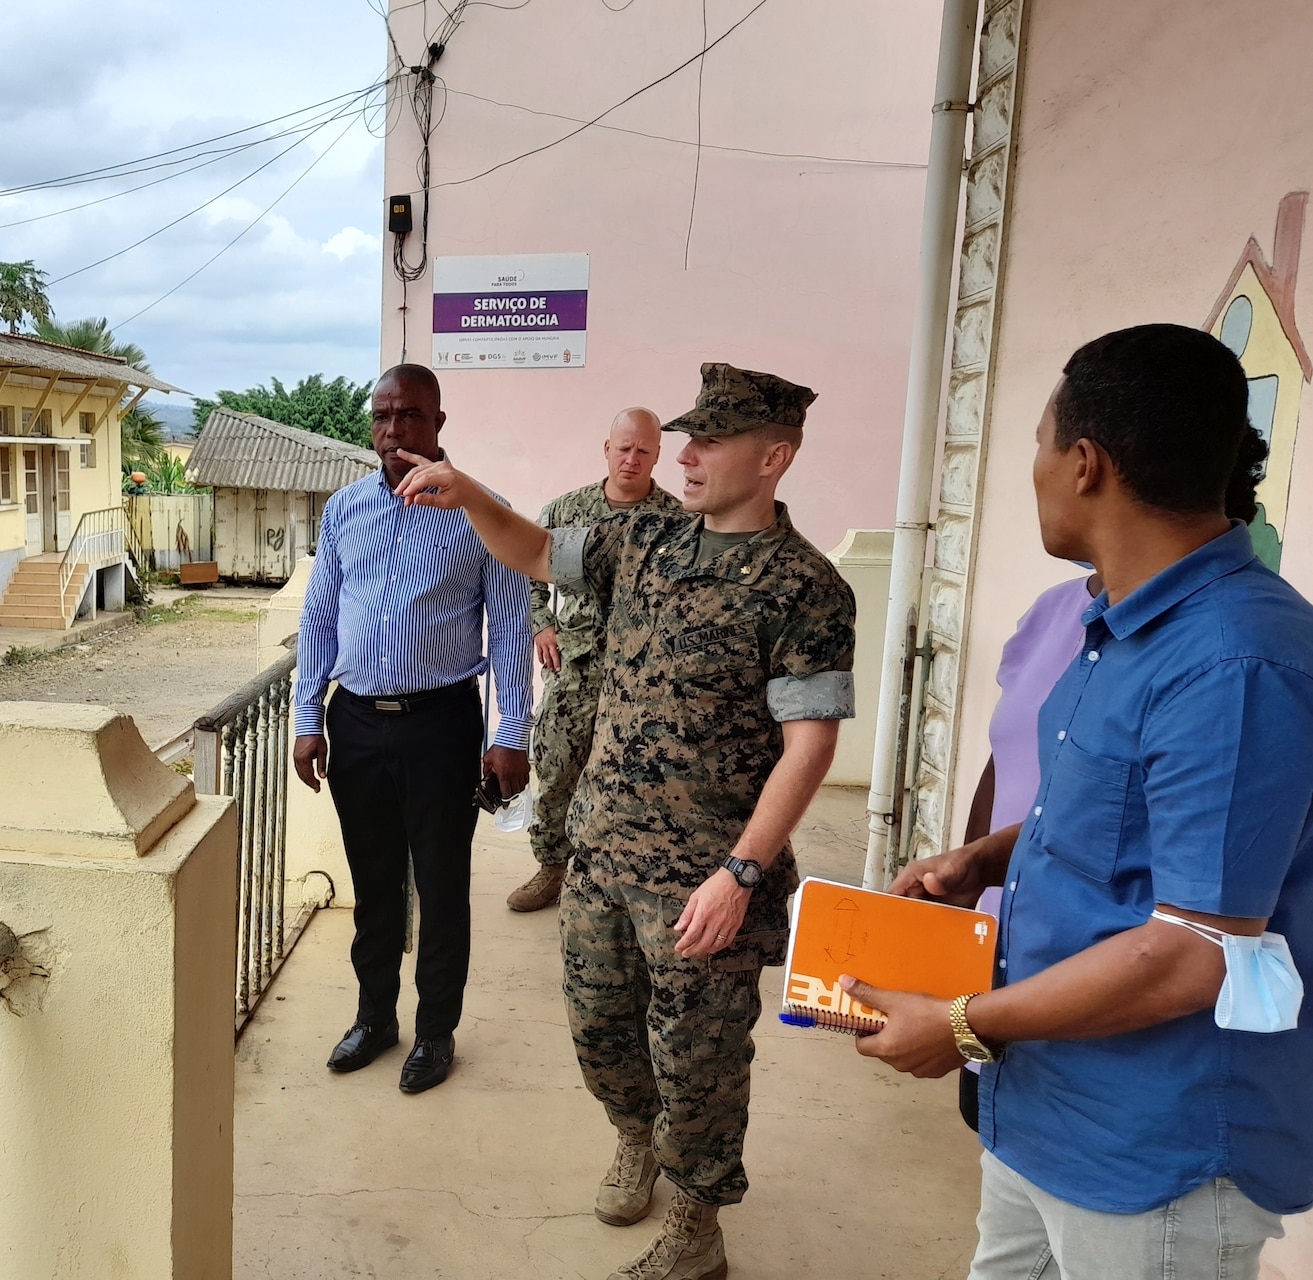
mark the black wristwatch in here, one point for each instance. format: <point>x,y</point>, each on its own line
<point>748,873</point>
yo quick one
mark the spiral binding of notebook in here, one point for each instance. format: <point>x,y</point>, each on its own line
<point>853,1024</point>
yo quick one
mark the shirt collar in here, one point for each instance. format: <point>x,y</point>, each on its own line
<point>743,563</point>
<point>1225,554</point>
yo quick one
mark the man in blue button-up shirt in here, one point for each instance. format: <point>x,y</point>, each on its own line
<point>1127,1134</point>
<point>394,612</point>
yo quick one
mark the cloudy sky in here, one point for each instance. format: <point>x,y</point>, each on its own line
<point>97,83</point>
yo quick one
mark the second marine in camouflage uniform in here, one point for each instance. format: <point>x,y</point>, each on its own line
<point>564,731</point>
<point>714,642</point>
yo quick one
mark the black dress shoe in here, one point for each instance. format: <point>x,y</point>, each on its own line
<point>428,1064</point>
<point>361,1045</point>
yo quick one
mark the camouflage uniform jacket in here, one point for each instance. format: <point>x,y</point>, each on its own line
<point>702,665</point>
<point>576,619</point>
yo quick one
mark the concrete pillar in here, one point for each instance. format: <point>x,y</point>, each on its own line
<point>114,587</point>
<point>117,897</point>
<point>314,842</point>
<point>863,558</point>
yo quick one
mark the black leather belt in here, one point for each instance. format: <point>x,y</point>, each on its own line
<point>403,704</point>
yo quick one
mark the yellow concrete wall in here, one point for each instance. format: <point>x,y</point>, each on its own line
<point>117,1089</point>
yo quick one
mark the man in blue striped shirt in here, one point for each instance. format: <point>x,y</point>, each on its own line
<point>394,612</point>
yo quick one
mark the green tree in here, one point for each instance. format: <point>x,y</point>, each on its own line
<point>339,409</point>
<point>92,334</point>
<point>143,432</point>
<point>143,440</point>
<point>23,293</point>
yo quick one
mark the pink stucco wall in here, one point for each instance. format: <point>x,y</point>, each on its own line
<point>802,266</point>
<point>1154,140</point>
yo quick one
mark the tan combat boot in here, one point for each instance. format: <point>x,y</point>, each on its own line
<point>625,1195</point>
<point>689,1246</point>
<point>541,891</point>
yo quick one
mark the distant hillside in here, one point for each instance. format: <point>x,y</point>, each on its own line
<point>176,417</point>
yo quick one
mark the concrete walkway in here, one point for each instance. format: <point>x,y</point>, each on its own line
<point>856,1171</point>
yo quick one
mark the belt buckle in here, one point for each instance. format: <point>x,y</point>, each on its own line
<point>395,705</point>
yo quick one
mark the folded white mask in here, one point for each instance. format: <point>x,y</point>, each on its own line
<point>1262,990</point>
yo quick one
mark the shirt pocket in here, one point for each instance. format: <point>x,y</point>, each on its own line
<point>726,669</point>
<point>1082,811</point>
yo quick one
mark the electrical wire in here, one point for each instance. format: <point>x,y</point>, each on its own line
<point>259,218</point>
<point>686,142</point>
<point>109,257</point>
<point>305,129</point>
<point>697,162</point>
<point>128,168</point>
<point>547,146</point>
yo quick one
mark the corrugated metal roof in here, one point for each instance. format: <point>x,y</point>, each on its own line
<point>244,451</point>
<point>30,355</point>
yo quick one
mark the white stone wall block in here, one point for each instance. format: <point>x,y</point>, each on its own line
<point>945,609</point>
<point>957,478</point>
<point>979,266</point>
<point>998,41</point>
<point>929,814</point>
<point>985,188</point>
<point>966,405</point>
<point>993,116</point>
<point>943,676</point>
<point>952,543</point>
<point>936,741</point>
<point>971,330</point>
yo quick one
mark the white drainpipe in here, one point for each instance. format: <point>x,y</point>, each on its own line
<point>920,421</point>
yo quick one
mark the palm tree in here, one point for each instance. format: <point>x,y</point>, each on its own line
<point>143,432</point>
<point>23,293</point>
<point>143,440</point>
<point>92,334</point>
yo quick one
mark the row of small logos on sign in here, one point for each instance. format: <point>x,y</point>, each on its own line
<point>497,357</point>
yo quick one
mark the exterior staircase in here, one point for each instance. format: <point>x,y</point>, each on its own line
<point>33,598</point>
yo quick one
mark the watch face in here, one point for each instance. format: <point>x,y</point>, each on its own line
<point>974,1052</point>
<point>749,875</point>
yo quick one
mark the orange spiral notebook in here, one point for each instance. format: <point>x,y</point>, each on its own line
<point>898,944</point>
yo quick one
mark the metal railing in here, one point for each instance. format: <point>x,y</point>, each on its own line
<point>241,751</point>
<point>136,552</point>
<point>98,540</point>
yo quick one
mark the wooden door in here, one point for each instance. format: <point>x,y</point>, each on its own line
<point>35,537</point>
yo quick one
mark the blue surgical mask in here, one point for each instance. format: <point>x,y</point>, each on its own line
<point>1082,564</point>
<point>1262,990</point>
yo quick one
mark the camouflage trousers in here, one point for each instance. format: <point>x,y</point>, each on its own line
<point>561,742</point>
<point>664,1042</point>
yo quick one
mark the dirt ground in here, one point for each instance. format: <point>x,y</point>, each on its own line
<point>188,655</point>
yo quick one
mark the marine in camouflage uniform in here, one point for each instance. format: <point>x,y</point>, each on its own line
<point>564,731</point>
<point>706,656</point>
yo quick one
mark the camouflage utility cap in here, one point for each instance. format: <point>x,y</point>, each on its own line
<point>733,401</point>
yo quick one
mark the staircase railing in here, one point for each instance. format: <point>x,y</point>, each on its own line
<point>136,552</point>
<point>98,540</point>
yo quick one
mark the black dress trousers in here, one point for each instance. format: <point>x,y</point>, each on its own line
<point>404,783</point>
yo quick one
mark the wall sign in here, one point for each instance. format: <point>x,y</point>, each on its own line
<point>506,312</point>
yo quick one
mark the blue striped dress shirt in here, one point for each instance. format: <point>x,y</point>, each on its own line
<point>395,605</point>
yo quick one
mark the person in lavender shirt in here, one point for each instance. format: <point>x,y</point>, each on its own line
<point>1046,640</point>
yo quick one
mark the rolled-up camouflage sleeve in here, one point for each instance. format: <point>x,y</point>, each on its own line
<point>811,662</point>
<point>585,558</point>
<point>540,593</point>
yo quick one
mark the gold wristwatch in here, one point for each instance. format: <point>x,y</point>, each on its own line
<point>969,1045</point>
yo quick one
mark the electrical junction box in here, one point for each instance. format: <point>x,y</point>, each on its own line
<point>399,219</point>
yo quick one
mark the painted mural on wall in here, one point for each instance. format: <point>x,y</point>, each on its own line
<point>1255,317</point>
